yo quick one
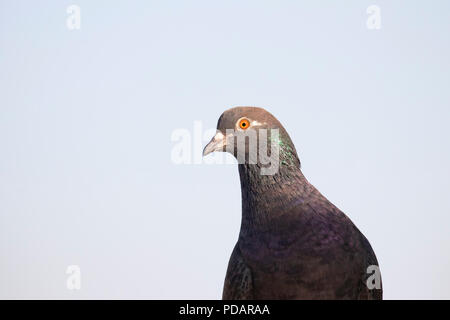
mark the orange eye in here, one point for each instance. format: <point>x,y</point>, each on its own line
<point>244,124</point>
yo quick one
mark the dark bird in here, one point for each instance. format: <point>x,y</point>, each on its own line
<point>293,242</point>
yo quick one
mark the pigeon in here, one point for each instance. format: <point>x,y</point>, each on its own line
<point>293,242</point>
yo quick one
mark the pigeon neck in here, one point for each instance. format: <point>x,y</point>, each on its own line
<point>266,197</point>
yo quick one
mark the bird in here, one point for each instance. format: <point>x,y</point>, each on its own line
<point>293,244</point>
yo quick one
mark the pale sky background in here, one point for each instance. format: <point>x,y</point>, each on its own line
<point>86,118</point>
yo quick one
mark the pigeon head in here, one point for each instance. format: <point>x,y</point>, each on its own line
<point>254,136</point>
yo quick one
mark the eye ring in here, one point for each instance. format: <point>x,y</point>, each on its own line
<point>244,124</point>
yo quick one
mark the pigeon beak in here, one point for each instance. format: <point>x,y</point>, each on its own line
<point>217,143</point>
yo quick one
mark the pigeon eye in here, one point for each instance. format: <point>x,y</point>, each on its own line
<point>244,124</point>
